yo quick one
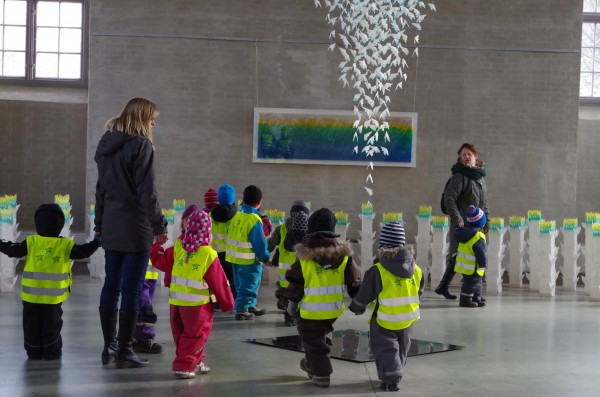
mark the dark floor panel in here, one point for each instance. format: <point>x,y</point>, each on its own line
<point>353,345</point>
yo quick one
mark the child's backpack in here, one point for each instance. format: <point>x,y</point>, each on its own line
<point>464,187</point>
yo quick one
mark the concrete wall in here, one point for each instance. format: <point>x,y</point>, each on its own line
<point>504,76</point>
<point>41,146</point>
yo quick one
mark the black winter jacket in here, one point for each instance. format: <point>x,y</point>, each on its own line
<point>128,214</point>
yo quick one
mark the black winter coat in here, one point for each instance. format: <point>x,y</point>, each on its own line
<point>128,214</point>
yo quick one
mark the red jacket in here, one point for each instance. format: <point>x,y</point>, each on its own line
<point>215,276</point>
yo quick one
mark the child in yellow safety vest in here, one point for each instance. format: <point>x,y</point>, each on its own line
<point>471,257</point>
<point>284,238</point>
<point>393,288</point>
<point>46,280</point>
<point>323,270</point>
<point>145,331</point>
<point>194,273</point>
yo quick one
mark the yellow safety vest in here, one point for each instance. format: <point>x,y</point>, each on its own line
<point>188,287</point>
<point>239,249</point>
<point>286,258</point>
<point>465,257</point>
<point>323,291</point>
<point>219,236</point>
<point>151,272</point>
<point>47,273</point>
<point>398,300</point>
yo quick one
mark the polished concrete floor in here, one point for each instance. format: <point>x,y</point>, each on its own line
<point>521,344</point>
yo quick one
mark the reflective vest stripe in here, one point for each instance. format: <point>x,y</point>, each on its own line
<point>330,289</point>
<point>239,244</point>
<point>219,236</point>
<point>405,300</point>
<point>45,276</point>
<point>400,318</point>
<point>44,291</point>
<point>189,297</point>
<point>219,247</point>
<point>242,255</point>
<point>466,257</point>
<point>283,268</point>
<point>322,307</point>
<point>186,282</point>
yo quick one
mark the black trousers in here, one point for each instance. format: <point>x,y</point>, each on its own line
<point>316,340</point>
<point>42,324</point>
<point>228,272</point>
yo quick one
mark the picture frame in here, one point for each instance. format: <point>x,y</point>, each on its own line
<point>314,136</point>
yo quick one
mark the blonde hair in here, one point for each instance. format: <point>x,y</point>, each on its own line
<point>135,118</point>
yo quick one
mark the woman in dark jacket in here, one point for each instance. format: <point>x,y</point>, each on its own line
<point>129,219</point>
<point>466,187</point>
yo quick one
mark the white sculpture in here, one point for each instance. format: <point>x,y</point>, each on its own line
<point>367,237</point>
<point>547,273</point>
<point>517,248</point>
<point>8,231</point>
<point>424,242</point>
<point>535,256</point>
<point>571,250</point>
<point>439,249</point>
<point>496,248</point>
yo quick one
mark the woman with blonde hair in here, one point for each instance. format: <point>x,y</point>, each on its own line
<point>129,220</point>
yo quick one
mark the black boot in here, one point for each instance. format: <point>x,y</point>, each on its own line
<point>466,300</point>
<point>108,322</point>
<point>442,288</point>
<point>126,358</point>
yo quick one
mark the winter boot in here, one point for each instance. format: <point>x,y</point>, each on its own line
<point>108,322</point>
<point>466,301</point>
<point>126,358</point>
<point>442,288</point>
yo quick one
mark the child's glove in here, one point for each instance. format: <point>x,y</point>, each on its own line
<point>356,308</point>
<point>292,308</point>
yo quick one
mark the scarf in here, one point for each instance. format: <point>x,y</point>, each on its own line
<point>471,173</point>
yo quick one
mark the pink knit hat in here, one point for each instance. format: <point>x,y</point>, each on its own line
<point>197,232</point>
<point>188,211</point>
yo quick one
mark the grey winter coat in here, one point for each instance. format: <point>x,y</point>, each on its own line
<point>462,192</point>
<point>128,214</point>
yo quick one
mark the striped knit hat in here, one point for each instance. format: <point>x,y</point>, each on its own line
<point>210,198</point>
<point>197,232</point>
<point>475,217</point>
<point>392,235</point>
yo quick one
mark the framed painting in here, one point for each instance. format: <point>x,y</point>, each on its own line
<point>310,136</point>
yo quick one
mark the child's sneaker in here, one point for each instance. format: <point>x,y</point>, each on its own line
<point>244,316</point>
<point>304,367</point>
<point>321,381</point>
<point>184,374</point>
<point>390,386</point>
<point>202,368</point>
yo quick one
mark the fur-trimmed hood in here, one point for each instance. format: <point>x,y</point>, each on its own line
<point>328,253</point>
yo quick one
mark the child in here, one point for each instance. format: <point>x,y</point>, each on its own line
<point>393,287</point>
<point>221,214</point>
<point>246,250</point>
<point>144,330</point>
<point>471,258</point>
<point>46,280</point>
<point>285,238</point>
<point>194,273</point>
<point>210,200</point>
<point>316,291</point>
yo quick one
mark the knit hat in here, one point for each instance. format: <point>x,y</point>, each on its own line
<point>210,198</point>
<point>300,206</point>
<point>197,231</point>
<point>188,211</point>
<point>392,235</point>
<point>226,194</point>
<point>49,220</point>
<point>475,217</point>
<point>252,195</point>
<point>322,222</point>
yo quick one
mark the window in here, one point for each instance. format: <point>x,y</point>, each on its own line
<point>42,40</point>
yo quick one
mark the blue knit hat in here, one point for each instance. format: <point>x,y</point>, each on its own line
<point>475,217</point>
<point>226,195</point>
